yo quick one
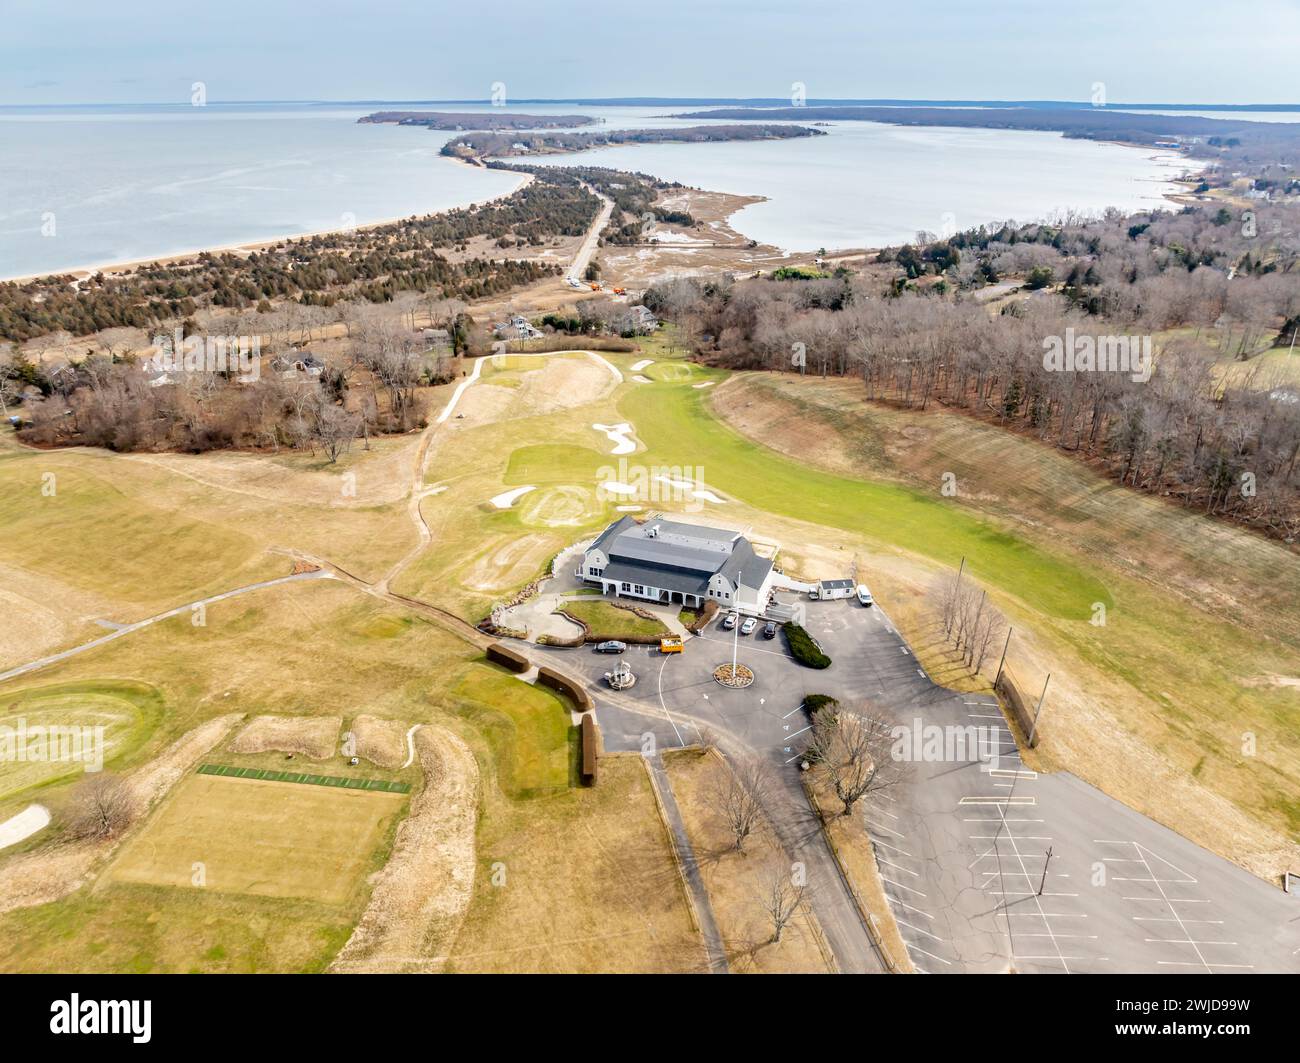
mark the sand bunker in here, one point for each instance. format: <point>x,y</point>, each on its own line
<point>642,379</point>
<point>507,498</point>
<point>380,741</point>
<point>618,434</point>
<point>422,893</point>
<point>316,737</point>
<point>691,489</point>
<point>24,825</point>
<point>706,384</point>
<point>642,364</point>
<point>613,487</point>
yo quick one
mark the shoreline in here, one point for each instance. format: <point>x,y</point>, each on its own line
<point>247,247</point>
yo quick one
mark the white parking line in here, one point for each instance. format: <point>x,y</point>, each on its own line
<point>918,929</point>
<point>901,886</point>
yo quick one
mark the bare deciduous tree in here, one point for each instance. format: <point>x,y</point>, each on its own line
<point>737,792</point>
<point>781,892</point>
<point>102,806</point>
<point>852,751</point>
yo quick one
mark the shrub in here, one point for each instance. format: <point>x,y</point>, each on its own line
<point>812,703</point>
<point>804,647</point>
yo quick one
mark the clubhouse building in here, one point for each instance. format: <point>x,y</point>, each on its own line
<point>682,564</point>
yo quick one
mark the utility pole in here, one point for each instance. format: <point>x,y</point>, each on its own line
<point>1005,646</point>
<point>1034,726</point>
<point>1046,864</point>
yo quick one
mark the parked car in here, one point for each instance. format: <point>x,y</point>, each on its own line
<point>747,628</point>
<point>769,630</point>
<point>611,647</point>
<point>729,621</point>
<point>864,595</point>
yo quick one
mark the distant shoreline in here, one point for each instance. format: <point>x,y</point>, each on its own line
<point>81,273</point>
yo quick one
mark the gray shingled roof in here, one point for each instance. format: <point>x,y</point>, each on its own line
<point>680,556</point>
<point>667,579</point>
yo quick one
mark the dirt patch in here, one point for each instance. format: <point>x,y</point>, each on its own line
<point>316,737</point>
<point>380,741</point>
<point>510,563</point>
<point>421,895</point>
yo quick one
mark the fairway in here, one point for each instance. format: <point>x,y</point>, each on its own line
<point>270,839</point>
<point>678,429</point>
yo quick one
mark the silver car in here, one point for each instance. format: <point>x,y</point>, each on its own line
<point>747,628</point>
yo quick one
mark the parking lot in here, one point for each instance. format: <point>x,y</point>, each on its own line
<point>963,843</point>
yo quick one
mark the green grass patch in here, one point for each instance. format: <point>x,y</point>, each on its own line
<point>127,712</point>
<point>554,463</point>
<point>528,728</point>
<point>612,622</point>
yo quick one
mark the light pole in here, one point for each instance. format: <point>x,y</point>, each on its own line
<point>735,646</point>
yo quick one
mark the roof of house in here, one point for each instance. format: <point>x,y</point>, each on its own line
<point>686,553</point>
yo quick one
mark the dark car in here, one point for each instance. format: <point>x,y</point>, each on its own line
<point>769,630</point>
<point>611,647</point>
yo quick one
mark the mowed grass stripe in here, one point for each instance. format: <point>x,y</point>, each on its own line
<point>267,775</point>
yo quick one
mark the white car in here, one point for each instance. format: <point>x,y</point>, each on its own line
<point>864,595</point>
<point>747,628</point>
<point>729,621</point>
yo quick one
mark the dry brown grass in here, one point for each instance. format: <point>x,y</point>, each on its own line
<point>735,880</point>
<point>420,896</point>
<point>380,741</point>
<point>316,737</point>
<point>580,882</point>
<point>268,839</point>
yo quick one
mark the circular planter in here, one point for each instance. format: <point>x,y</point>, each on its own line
<point>741,678</point>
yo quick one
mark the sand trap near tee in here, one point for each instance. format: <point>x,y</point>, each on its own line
<point>642,364</point>
<point>24,825</point>
<point>618,434</point>
<point>508,498</point>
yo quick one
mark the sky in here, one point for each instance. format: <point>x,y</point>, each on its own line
<point>148,51</point>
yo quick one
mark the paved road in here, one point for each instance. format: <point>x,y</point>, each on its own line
<point>962,843</point>
<point>676,701</point>
<point>589,242</point>
<point>713,944</point>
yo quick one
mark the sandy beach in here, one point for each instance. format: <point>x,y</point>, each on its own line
<point>248,247</point>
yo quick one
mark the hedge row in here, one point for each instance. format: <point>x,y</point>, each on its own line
<point>590,748</point>
<point>512,659</point>
<point>577,694</point>
<point>803,648</point>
